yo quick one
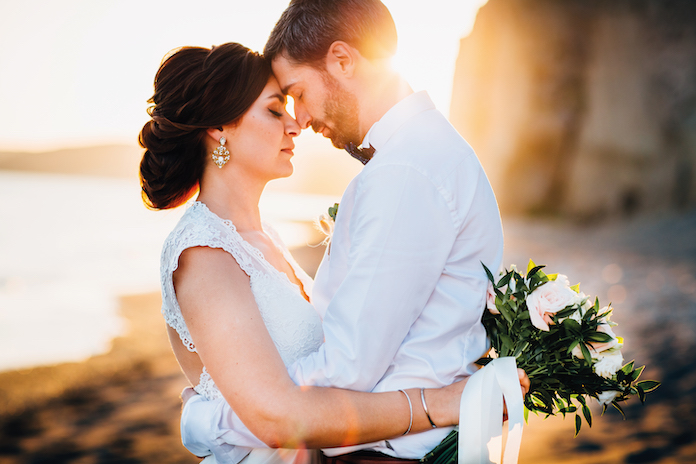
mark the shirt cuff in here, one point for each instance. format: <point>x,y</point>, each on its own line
<point>201,432</point>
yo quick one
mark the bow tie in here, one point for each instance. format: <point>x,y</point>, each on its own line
<point>361,154</point>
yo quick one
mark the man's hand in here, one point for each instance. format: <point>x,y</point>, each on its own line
<point>525,384</point>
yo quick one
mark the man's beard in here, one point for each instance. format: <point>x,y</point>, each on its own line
<point>341,111</point>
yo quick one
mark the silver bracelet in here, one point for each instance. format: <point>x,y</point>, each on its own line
<point>410,408</point>
<point>425,408</point>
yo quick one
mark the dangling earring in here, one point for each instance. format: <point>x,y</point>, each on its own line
<point>221,155</point>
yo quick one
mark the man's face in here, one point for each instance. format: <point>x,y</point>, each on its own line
<point>320,101</point>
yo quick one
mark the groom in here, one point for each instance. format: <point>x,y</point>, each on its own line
<point>401,289</point>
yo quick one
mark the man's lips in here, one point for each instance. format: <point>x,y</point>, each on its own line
<point>323,130</point>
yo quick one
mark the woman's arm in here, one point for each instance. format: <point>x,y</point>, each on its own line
<point>234,345</point>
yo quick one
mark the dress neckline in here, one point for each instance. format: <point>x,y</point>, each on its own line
<point>255,251</point>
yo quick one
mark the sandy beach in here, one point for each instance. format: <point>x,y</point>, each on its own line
<point>123,407</point>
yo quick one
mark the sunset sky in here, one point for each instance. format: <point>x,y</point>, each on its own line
<point>79,72</point>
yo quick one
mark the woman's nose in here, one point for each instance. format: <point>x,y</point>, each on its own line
<point>292,128</point>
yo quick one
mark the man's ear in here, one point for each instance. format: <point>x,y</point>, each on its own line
<point>341,59</point>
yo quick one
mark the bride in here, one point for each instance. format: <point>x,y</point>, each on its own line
<point>236,303</point>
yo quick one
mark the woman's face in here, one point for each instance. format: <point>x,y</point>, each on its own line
<point>261,142</point>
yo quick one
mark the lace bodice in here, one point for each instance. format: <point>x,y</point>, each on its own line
<point>292,322</point>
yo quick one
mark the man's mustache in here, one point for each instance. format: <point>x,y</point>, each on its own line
<point>317,126</point>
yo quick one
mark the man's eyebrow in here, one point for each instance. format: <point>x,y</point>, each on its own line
<point>287,88</point>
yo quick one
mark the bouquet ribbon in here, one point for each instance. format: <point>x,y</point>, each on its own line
<point>481,414</point>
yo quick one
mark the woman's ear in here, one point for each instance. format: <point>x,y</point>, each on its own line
<point>341,59</point>
<point>215,133</point>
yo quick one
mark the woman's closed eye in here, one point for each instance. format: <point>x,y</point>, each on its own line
<point>276,113</point>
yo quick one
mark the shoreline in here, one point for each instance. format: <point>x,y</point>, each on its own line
<point>122,406</point>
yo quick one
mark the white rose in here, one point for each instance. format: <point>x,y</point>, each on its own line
<point>606,397</point>
<point>608,365</point>
<point>548,299</point>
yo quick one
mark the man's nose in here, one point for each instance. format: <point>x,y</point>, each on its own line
<point>303,118</point>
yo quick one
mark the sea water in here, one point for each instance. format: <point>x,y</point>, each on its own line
<point>70,245</point>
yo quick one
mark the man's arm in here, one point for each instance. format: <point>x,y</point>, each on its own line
<point>401,233</point>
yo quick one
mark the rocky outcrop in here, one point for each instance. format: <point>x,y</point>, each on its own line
<point>583,107</point>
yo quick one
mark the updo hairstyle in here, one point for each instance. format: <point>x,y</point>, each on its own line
<point>195,89</point>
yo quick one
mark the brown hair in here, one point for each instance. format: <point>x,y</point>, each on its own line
<point>307,28</point>
<point>195,89</point>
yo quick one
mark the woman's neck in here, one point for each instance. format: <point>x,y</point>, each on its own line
<point>235,198</point>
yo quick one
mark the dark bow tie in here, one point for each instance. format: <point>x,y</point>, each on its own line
<point>361,154</point>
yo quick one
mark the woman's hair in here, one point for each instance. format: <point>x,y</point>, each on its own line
<point>195,89</point>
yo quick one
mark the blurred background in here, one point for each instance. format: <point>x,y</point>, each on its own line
<point>582,112</point>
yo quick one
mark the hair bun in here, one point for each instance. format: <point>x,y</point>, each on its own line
<point>195,89</point>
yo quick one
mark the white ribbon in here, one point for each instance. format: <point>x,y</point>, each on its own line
<point>481,415</point>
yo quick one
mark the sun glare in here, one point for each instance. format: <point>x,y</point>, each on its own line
<point>90,81</point>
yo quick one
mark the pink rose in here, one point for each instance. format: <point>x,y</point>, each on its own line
<point>548,299</point>
<point>490,299</point>
<point>597,347</point>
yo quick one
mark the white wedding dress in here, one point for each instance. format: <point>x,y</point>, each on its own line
<point>291,320</point>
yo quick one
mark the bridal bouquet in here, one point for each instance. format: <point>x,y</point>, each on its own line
<point>563,341</point>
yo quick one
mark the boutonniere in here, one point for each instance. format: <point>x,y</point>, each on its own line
<point>326,222</point>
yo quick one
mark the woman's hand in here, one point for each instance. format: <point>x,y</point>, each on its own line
<point>186,394</point>
<point>443,403</point>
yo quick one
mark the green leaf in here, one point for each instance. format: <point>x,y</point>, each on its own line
<point>531,272</point>
<point>586,353</point>
<point>488,273</point>
<point>633,376</point>
<point>588,414</point>
<point>571,346</point>
<point>648,385</point>
<point>616,405</point>
<point>566,312</point>
<point>530,266</point>
<point>526,415</point>
<point>572,326</point>
<point>507,313</point>
<point>627,368</point>
<point>504,281</point>
<point>578,424</point>
<point>599,337</point>
<point>333,211</point>
<point>641,394</point>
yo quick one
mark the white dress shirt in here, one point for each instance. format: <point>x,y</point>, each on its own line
<point>401,289</point>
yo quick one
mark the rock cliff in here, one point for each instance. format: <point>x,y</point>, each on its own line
<point>582,107</point>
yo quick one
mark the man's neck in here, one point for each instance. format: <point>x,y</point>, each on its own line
<point>384,90</point>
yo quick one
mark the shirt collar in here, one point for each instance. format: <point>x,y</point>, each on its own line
<point>382,130</point>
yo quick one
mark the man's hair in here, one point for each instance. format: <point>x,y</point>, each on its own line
<point>307,28</point>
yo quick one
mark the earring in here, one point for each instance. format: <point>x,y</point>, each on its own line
<point>221,155</point>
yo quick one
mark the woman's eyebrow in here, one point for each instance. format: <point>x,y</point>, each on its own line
<point>280,97</point>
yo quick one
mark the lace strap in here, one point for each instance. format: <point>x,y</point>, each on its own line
<point>198,227</point>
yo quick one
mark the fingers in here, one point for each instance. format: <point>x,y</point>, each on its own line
<point>187,393</point>
<point>525,383</point>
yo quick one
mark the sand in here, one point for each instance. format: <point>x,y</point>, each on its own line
<point>123,407</point>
